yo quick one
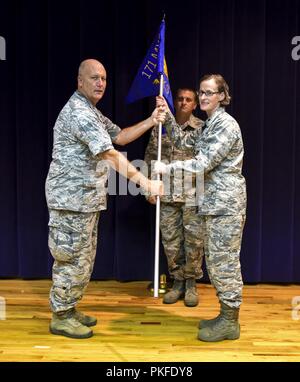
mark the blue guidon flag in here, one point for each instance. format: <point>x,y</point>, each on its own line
<point>146,82</point>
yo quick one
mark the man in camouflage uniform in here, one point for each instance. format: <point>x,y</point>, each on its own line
<point>179,221</point>
<point>76,193</point>
<point>219,153</point>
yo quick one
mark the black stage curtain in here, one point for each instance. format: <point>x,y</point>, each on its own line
<point>249,42</point>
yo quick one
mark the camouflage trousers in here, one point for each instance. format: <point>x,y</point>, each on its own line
<point>222,245</point>
<point>73,244</point>
<point>182,241</point>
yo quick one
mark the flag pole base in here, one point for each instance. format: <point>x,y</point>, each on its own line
<point>163,287</point>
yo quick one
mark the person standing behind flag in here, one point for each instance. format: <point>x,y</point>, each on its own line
<point>179,221</point>
<point>76,193</point>
<point>219,153</point>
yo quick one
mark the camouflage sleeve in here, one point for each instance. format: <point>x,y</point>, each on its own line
<point>150,155</point>
<point>181,139</point>
<point>151,150</point>
<point>88,130</point>
<point>211,149</point>
<point>112,129</point>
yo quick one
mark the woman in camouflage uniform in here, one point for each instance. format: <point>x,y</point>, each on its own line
<point>219,154</point>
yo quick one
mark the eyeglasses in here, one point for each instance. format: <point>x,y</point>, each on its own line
<point>208,93</point>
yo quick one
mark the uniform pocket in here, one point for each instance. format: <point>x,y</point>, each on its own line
<point>64,246</point>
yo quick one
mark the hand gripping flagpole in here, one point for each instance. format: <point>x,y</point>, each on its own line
<point>157,222</point>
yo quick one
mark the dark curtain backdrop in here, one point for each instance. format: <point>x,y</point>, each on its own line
<point>249,42</point>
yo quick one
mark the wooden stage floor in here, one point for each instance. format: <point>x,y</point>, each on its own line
<point>134,326</point>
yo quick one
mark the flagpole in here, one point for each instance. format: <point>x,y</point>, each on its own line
<point>157,223</point>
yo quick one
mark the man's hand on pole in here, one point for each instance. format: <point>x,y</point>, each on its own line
<point>156,187</point>
<point>162,104</point>
<point>160,168</point>
<point>159,115</point>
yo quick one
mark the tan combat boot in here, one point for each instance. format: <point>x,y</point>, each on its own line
<point>64,324</point>
<point>175,293</point>
<point>84,319</point>
<point>204,323</point>
<point>224,327</point>
<point>191,293</point>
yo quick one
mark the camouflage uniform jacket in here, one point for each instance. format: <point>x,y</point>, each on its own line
<point>175,190</point>
<point>219,155</point>
<point>77,177</point>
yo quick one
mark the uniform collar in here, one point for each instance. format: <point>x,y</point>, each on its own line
<point>192,122</point>
<point>217,112</point>
<point>83,98</point>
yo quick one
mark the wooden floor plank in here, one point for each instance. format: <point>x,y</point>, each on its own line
<point>133,326</point>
